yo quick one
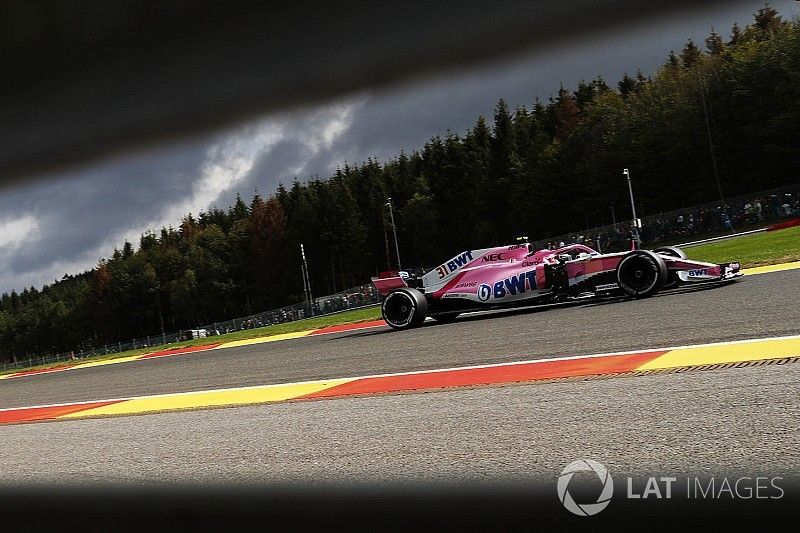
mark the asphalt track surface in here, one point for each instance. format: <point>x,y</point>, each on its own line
<point>725,421</point>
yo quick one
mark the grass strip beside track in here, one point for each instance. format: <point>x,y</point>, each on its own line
<point>346,317</point>
<point>768,248</point>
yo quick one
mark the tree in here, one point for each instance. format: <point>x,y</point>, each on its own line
<point>736,34</point>
<point>127,250</point>
<point>673,61</point>
<point>768,20</point>
<point>714,43</point>
<point>626,85</point>
<point>690,54</point>
<point>567,114</point>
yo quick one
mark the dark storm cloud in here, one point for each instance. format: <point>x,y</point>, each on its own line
<point>407,116</point>
<point>303,150</point>
<point>77,214</point>
<point>81,217</point>
<point>273,166</point>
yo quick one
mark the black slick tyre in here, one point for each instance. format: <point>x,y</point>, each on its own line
<point>672,276</point>
<point>641,273</point>
<point>404,308</point>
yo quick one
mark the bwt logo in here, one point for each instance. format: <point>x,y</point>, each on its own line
<point>698,272</point>
<point>603,499</point>
<point>459,261</point>
<point>519,284</point>
<point>454,264</point>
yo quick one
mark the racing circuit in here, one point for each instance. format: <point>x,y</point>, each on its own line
<point>722,409</point>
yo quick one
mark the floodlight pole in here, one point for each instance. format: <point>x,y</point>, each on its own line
<point>633,210</point>
<point>306,280</point>
<point>394,231</point>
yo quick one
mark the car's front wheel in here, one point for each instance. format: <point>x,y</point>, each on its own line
<point>641,273</point>
<point>672,275</point>
<point>404,308</point>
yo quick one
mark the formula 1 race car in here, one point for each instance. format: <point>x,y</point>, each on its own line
<point>516,275</point>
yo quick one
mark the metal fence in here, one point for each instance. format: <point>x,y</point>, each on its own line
<point>741,213</point>
<point>356,297</point>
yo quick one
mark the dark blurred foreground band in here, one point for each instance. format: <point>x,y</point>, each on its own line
<point>85,80</point>
<point>373,508</point>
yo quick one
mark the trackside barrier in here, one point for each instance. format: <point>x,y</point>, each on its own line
<point>721,238</point>
<point>350,299</point>
<point>781,225</point>
<point>759,211</point>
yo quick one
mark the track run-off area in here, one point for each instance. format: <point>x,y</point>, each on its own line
<point>699,377</point>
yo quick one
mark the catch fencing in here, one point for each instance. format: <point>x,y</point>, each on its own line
<point>737,214</point>
<point>354,298</point>
<point>362,296</point>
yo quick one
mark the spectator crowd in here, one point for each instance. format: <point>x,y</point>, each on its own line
<point>693,223</point>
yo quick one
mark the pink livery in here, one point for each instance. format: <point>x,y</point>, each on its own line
<point>516,275</point>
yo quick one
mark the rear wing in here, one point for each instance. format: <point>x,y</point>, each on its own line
<point>386,282</point>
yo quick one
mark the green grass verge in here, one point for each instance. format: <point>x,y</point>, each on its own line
<point>345,317</point>
<point>768,248</point>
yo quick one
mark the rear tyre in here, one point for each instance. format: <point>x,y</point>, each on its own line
<point>445,318</point>
<point>641,273</point>
<point>672,276</point>
<point>404,308</point>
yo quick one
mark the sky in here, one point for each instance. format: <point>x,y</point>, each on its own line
<point>66,224</point>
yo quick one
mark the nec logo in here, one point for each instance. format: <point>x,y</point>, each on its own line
<point>698,272</point>
<point>488,258</point>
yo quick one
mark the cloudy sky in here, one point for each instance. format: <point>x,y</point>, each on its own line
<point>66,224</point>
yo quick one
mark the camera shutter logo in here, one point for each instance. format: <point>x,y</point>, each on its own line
<point>585,509</point>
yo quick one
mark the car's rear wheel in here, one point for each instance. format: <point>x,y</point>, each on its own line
<point>672,275</point>
<point>641,273</point>
<point>404,308</point>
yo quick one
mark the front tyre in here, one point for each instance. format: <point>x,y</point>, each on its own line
<point>672,276</point>
<point>404,308</point>
<point>672,251</point>
<point>641,273</point>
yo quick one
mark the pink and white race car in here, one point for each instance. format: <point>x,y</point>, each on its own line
<point>517,275</point>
